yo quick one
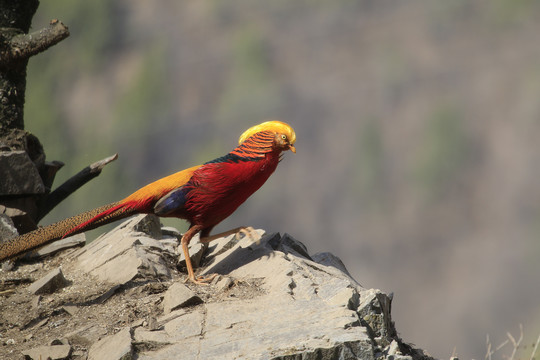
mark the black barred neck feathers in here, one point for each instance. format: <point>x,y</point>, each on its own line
<point>256,146</point>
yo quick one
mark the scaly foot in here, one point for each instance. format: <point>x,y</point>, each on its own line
<point>250,233</point>
<point>201,280</point>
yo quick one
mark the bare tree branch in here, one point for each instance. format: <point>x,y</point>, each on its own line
<point>23,46</point>
<point>72,184</point>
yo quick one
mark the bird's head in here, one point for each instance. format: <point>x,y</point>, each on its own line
<point>284,136</point>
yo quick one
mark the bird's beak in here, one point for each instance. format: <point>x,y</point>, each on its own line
<point>292,148</point>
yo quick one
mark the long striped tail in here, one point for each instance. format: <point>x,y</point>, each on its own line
<point>70,226</point>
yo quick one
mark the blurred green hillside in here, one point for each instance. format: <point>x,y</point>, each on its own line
<point>417,125</point>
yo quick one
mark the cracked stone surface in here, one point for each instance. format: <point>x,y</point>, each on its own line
<point>13,164</point>
<point>48,284</point>
<point>53,352</point>
<point>114,347</point>
<point>270,300</point>
<point>126,253</point>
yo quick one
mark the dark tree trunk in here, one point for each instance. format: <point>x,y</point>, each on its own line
<point>15,19</point>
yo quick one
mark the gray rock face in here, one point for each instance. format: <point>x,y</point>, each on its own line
<point>7,229</point>
<point>53,352</point>
<point>13,164</point>
<point>270,300</point>
<point>298,307</point>
<point>48,284</point>
<point>59,245</point>
<point>126,253</point>
<point>179,295</point>
<point>114,347</point>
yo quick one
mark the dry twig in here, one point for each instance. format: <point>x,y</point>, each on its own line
<point>72,184</point>
<point>23,46</point>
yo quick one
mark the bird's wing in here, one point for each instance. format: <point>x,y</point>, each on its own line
<point>172,202</point>
<point>146,197</point>
<point>141,200</point>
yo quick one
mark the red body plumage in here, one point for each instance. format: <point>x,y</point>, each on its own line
<point>216,190</point>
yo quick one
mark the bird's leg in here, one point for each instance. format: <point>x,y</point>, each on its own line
<point>207,239</point>
<point>246,230</point>
<point>185,242</point>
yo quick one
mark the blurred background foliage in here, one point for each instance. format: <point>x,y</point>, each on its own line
<point>417,126</point>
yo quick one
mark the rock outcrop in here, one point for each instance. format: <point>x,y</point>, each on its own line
<point>125,299</point>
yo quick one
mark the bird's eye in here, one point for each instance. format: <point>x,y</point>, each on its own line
<point>284,137</point>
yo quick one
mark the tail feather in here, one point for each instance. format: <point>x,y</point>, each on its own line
<point>102,216</point>
<point>70,226</point>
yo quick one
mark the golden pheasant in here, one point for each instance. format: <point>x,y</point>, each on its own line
<point>204,195</point>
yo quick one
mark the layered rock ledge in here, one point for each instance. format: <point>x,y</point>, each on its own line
<point>122,297</point>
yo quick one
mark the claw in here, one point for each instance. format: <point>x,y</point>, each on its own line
<point>201,280</point>
<point>250,233</point>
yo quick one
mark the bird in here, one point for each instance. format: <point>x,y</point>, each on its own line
<point>203,195</point>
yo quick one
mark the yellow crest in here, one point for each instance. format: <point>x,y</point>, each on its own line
<point>276,126</point>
